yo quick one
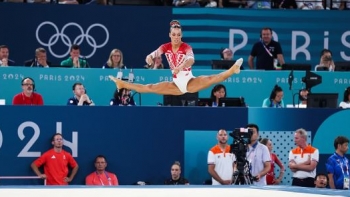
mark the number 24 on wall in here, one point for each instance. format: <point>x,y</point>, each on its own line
<point>25,152</point>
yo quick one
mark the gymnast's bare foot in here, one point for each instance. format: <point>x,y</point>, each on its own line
<point>119,83</point>
<point>236,68</point>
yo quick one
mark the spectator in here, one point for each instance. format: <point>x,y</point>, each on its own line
<point>176,178</point>
<point>40,59</point>
<point>310,5</point>
<point>80,96</point>
<point>276,98</point>
<point>115,60</point>
<point>267,52</point>
<point>303,161</point>
<point>157,63</point>
<point>185,3</point>
<point>74,60</point>
<point>28,96</point>
<point>338,165</point>
<point>4,56</point>
<point>321,180</point>
<point>303,96</point>
<point>101,176</point>
<point>55,162</point>
<point>346,99</point>
<point>226,54</point>
<point>326,61</point>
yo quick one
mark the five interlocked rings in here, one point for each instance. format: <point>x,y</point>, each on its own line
<point>66,39</point>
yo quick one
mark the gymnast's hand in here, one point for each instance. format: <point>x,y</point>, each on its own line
<point>176,70</point>
<point>149,60</point>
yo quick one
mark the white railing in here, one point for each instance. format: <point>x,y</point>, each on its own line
<point>22,177</point>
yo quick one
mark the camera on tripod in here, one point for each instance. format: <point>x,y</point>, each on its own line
<point>239,147</point>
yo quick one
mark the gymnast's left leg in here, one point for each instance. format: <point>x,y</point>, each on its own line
<point>202,82</point>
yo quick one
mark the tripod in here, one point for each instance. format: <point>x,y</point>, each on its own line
<point>243,175</point>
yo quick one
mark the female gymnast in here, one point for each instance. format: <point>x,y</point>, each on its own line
<point>180,58</point>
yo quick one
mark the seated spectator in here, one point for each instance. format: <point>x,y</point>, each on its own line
<point>275,100</point>
<point>260,4</point>
<point>40,59</point>
<point>211,4</point>
<point>321,180</point>
<point>68,2</point>
<point>176,178</point>
<point>74,60</point>
<point>115,60</point>
<point>346,99</point>
<point>326,61</point>
<point>219,91</point>
<point>185,3</point>
<point>310,5</point>
<point>101,176</point>
<point>122,98</point>
<point>303,96</point>
<point>226,54</point>
<point>4,56</point>
<point>157,63</point>
<point>80,96</point>
<point>28,96</point>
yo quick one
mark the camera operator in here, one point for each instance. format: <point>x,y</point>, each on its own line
<point>221,163</point>
<point>258,156</point>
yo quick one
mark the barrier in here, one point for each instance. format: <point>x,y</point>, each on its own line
<point>55,85</point>
<point>169,191</point>
<point>154,137</point>
<point>22,177</point>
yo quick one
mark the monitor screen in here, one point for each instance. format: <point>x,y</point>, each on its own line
<point>232,102</point>
<point>188,99</point>
<point>205,102</point>
<point>322,100</point>
<point>223,64</point>
<point>342,66</point>
<point>296,67</point>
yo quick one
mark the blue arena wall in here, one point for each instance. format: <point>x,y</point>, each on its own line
<point>141,143</point>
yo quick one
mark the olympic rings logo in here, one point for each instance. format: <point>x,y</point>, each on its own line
<point>67,40</point>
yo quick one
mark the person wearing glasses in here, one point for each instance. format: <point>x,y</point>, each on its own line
<point>28,96</point>
<point>180,58</point>
<point>101,176</point>
<point>115,60</point>
<point>55,162</point>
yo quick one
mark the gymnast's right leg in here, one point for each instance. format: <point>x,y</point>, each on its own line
<point>164,88</point>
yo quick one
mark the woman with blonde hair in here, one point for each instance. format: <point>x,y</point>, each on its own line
<point>115,60</point>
